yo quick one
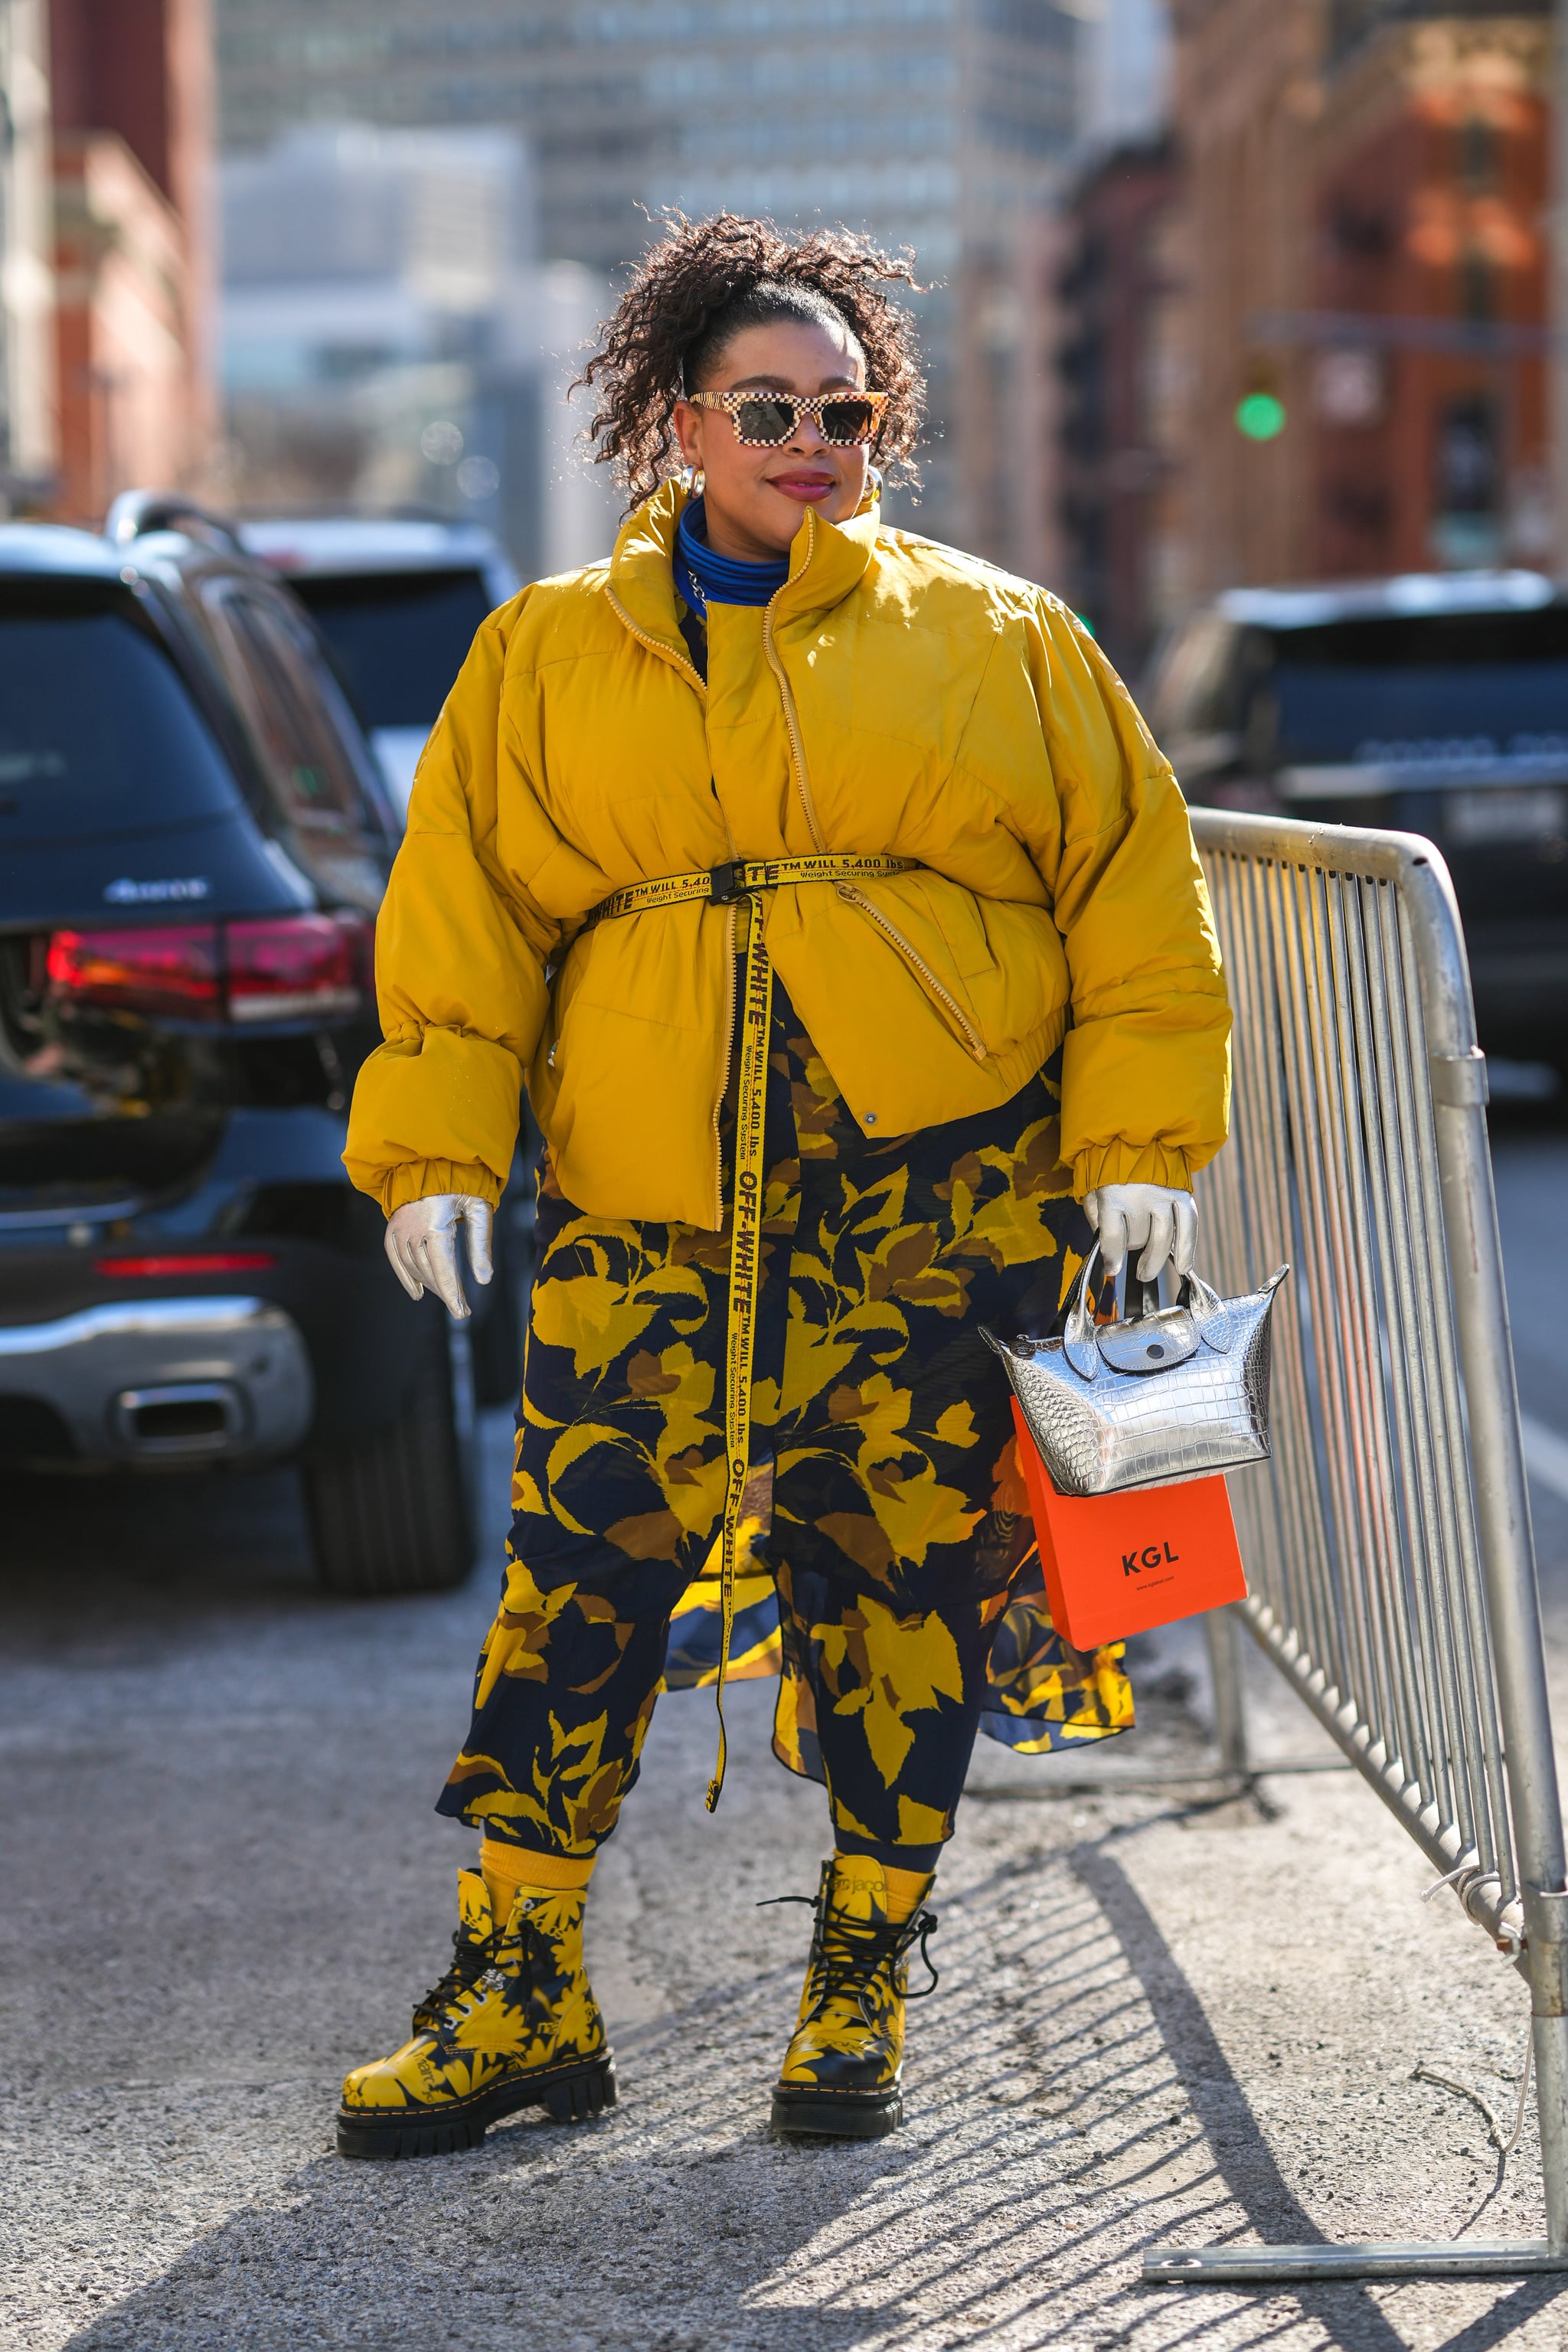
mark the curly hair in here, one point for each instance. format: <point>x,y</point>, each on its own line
<point>698,286</point>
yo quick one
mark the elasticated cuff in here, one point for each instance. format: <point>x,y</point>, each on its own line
<point>1131,1163</point>
<point>420,1180</point>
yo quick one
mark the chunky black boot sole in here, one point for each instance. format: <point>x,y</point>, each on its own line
<point>570,2092</point>
<point>837,2114</point>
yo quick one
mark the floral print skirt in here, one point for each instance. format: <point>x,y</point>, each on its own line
<point>888,1575</point>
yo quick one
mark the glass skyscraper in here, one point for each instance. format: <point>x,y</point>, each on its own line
<point>936,124</point>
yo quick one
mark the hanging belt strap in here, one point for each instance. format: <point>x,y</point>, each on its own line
<point>741,882</point>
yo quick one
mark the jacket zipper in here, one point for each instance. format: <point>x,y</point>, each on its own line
<point>792,723</point>
<point>847,890</point>
<point>655,645</point>
<point>919,966</point>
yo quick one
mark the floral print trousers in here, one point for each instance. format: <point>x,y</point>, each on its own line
<point>888,1574</point>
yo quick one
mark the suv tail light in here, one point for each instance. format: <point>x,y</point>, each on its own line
<point>292,968</point>
<point>168,1264</point>
<point>169,971</point>
<point>299,968</point>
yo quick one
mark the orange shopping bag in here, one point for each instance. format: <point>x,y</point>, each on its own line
<point>1118,1564</point>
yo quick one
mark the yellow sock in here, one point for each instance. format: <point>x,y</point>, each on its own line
<point>508,1867</point>
<point>907,1889</point>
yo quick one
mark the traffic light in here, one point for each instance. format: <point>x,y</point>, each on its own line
<point>1260,411</point>
<point>1260,415</point>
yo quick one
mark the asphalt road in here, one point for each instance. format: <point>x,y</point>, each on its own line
<point>224,1884</point>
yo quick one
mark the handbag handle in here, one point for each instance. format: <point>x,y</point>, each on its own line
<point>1206,1307</point>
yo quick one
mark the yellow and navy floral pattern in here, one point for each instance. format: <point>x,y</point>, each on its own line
<point>488,2028</point>
<point>848,2040</point>
<point>889,1575</point>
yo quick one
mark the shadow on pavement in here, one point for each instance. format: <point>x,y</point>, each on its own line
<point>1350,2313</point>
<point>1068,2105</point>
<point>1070,2100</point>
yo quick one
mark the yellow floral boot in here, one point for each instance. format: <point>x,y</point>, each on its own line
<point>841,2072</point>
<point>511,2024</point>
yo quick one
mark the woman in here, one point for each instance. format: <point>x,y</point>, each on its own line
<point>827,891</point>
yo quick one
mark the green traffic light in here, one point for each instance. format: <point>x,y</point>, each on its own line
<point>1260,416</point>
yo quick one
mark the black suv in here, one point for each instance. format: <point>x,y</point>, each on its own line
<point>193,841</point>
<point>1435,703</point>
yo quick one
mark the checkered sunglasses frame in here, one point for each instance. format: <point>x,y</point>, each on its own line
<point>867,423</point>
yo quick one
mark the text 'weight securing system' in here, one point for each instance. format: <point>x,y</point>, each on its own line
<point>1388,1542</point>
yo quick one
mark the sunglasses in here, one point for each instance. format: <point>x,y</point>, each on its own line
<point>765,420</point>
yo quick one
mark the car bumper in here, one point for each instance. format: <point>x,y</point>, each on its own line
<point>156,1381</point>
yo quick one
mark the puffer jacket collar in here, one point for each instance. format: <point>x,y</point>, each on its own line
<point>826,561</point>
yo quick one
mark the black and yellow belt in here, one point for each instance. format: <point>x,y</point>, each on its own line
<point>742,883</point>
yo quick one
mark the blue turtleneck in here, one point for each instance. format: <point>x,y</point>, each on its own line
<point>703,578</point>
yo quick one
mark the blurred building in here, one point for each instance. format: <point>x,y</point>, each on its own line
<point>1126,80</point>
<point>1425,349</point>
<point>131,119</point>
<point>937,123</point>
<point>1248,99</point>
<point>1115,289</point>
<point>26,259</point>
<point>390,340</point>
<point>1118,284</point>
<point>105,204</point>
<point>1366,188</point>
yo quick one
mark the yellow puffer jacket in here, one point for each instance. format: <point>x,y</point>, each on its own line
<point>895,697</point>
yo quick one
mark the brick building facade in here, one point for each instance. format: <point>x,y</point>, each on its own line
<point>1356,221</point>
<point>1428,371</point>
<point>130,105</point>
<point>1368,184</point>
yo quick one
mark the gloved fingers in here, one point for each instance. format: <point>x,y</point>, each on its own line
<point>1160,1235</point>
<point>1112,1236</point>
<point>479,1219</point>
<point>1091,1209</point>
<point>396,1252</point>
<point>435,1259</point>
<point>1185,1247</point>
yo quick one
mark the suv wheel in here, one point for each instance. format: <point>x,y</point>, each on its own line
<point>399,1511</point>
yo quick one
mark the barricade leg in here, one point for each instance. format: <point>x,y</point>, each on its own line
<point>1223,1636</point>
<point>1546,1927</point>
<point>1514,1606</point>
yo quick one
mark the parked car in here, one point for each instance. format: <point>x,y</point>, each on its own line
<point>1434,703</point>
<point>196,839</point>
<point>398,602</point>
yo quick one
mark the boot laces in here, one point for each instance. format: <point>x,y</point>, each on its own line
<point>532,1951</point>
<point>471,1956</point>
<point>476,1961</point>
<point>849,1955</point>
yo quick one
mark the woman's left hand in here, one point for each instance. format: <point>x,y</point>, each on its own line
<point>1154,1218</point>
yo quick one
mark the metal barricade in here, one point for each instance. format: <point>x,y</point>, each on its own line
<point>1387,1544</point>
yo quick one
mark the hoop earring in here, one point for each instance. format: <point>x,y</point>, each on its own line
<point>696,481</point>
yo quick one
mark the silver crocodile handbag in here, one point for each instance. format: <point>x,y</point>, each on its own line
<point>1168,1396</point>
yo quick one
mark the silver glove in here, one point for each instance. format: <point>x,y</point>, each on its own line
<point>1154,1218</point>
<point>422,1242</point>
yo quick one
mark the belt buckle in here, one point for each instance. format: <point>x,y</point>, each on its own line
<point>726,884</point>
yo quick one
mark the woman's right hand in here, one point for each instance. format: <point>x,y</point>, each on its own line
<point>1162,1220</point>
<point>422,1242</point>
